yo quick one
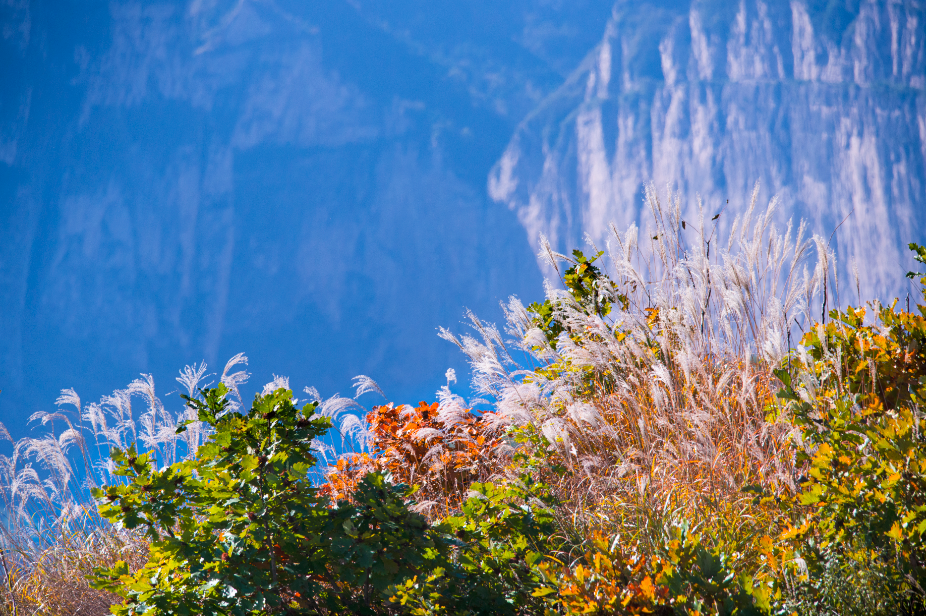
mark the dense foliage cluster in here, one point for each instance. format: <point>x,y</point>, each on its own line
<point>441,452</point>
<point>856,392</point>
<point>240,529</point>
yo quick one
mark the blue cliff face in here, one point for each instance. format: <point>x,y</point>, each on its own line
<point>306,182</point>
<point>824,104</point>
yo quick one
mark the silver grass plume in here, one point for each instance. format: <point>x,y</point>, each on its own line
<point>732,299</point>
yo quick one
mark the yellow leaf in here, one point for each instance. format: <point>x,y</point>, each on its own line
<point>652,317</point>
<point>580,574</point>
<point>647,588</point>
<point>895,533</point>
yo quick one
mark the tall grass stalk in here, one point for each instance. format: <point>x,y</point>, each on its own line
<point>661,407</point>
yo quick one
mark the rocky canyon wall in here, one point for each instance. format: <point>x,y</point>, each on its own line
<point>824,107</point>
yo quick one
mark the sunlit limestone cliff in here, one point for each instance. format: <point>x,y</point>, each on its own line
<point>823,105</point>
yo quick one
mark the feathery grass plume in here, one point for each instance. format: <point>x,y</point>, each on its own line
<point>50,533</point>
<point>232,380</point>
<point>647,375</point>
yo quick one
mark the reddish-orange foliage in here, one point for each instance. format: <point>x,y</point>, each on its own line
<point>441,455</point>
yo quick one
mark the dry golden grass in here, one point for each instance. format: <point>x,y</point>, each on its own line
<point>53,580</point>
<point>666,452</point>
<point>662,408</point>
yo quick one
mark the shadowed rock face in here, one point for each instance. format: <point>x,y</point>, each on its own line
<point>822,104</point>
<point>304,182</point>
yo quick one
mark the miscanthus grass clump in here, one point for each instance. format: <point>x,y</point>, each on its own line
<point>683,425</point>
<point>646,375</point>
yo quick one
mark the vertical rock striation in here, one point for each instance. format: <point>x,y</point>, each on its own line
<point>824,107</point>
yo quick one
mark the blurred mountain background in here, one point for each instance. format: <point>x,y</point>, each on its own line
<point>323,184</point>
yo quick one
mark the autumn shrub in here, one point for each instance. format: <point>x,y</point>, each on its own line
<point>240,529</point>
<point>855,391</point>
<point>683,577</point>
<point>440,449</point>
